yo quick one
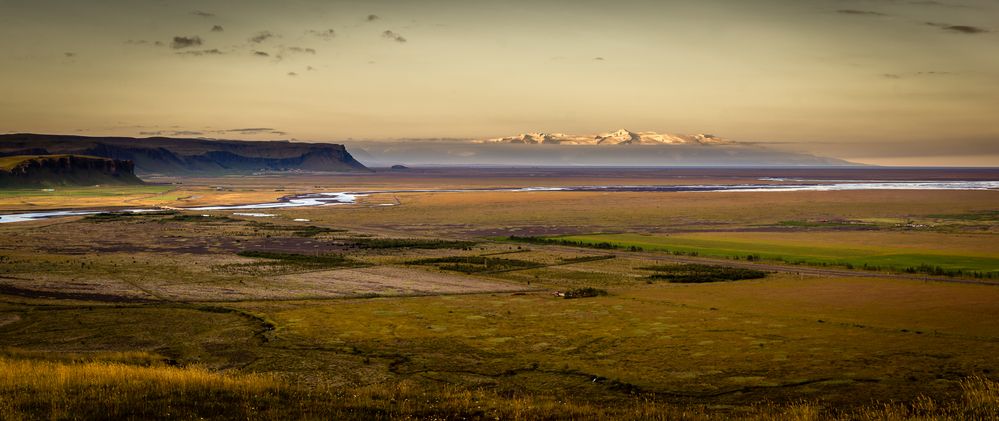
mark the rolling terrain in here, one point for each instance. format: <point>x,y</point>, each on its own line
<point>419,305</point>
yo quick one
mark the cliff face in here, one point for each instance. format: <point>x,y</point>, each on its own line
<point>62,170</point>
<point>160,155</point>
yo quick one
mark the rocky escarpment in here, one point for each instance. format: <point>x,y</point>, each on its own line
<point>64,170</point>
<point>172,156</point>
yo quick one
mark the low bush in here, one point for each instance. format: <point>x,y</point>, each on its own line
<point>413,243</point>
<point>317,261</point>
<point>475,264</point>
<point>696,273</point>
<point>584,293</point>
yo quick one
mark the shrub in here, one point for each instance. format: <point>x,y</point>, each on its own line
<point>475,264</point>
<point>302,260</point>
<point>414,243</point>
<point>584,292</point>
<point>697,273</point>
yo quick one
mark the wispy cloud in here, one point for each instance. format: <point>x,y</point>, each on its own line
<point>172,133</point>
<point>144,42</point>
<point>292,74</point>
<point>961,29</point>
<point>199,53</point>
<point>914,74</point>
<point>178,131</point>
<point>261,53</point>
<point>302,50</point>
<point>372,18</point>
<point>327,34</point>
<point>393,36</point>
<point>218,28</point>
<point>937,3</point>
<point>261,37</point>
<point>185,42</point>
<point>856,12</point>
<point>253,131</point>
<point>69,54</point>
<point>203,14</point>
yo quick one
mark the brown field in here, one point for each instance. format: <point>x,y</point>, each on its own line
<point>802,343</point>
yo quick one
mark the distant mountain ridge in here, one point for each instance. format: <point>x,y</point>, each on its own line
<point>177,156</point>
<point>619,137</point>
<point>64,170</point>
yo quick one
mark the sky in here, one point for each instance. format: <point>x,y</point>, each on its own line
<point>895,82</point>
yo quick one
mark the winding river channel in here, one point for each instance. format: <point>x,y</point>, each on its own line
<point>342,198</point>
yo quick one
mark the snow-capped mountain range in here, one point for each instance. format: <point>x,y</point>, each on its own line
<point>620,137</point>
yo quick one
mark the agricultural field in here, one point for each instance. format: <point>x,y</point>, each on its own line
<point>516,305</point>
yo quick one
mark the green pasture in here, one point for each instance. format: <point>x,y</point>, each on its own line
<point>858,257</point>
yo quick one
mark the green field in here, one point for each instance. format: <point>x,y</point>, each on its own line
<point>883,258</point>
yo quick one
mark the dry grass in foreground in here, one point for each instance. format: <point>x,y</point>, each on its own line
<point>32,389</point>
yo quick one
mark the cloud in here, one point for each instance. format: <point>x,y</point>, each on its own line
<point>203,14</point>
<point>598,58</point>
<point>185,42</point>
<point>261,37</point>
<point>179,131</point>
<point>937,3</point>
<point>393,36</point>
<point>302,50</point>
<point>199,53</point>
<point>859,12</point>
<point>962,29</point>
<point>292,74</point>
<point>966,29</point>
<point>218,28</point>
<point>69,54</point>
<point>326,35</point>
<point>172,133</point>
<point>144,42</point>
<point>372,18</point>
<point>915,74</point>
<point>248,130</point>
<point>253,131</point>
<point>310,68</point>
<point>261,54</point>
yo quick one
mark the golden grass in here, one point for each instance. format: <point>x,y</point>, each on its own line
<point>102,390</point>
<point>109,390</point>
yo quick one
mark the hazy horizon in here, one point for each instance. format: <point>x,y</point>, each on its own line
<point>888,82</point>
